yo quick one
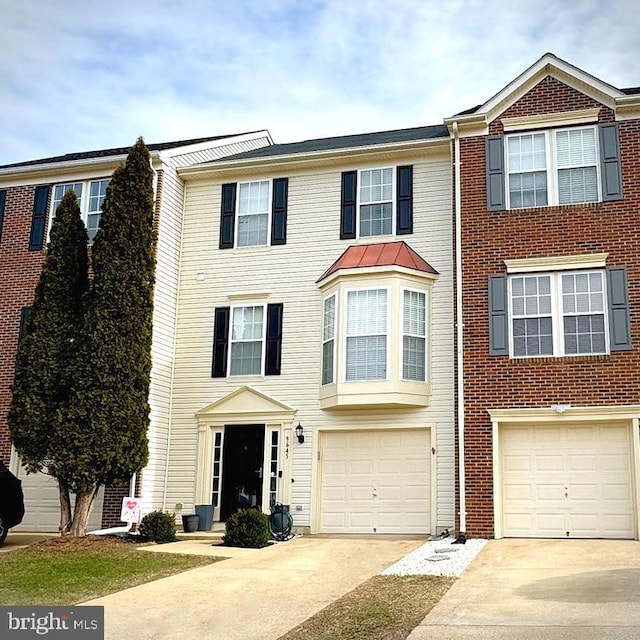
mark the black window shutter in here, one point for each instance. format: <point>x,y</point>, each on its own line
<point>610,162</point>
<point>39,218</point>
<point>274,340</point>
<point>220,342</point>
<point>494,147</point>
<point>279,211</point>
<point>227,215</point>
<point>348,208</point>
<point>498,316</point>
<point>25,312</point>
<point>619,326</point>
<point>404,204</point>
<point>3,199</point>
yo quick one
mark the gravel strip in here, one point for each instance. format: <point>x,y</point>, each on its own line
<point>425,560</point>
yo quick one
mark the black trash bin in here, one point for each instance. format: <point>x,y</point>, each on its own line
<point>190,522</point>
<point>205,511</point>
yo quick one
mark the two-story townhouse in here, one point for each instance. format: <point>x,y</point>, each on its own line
<point>29,195</point>
<point>548,202</point>
<point>314,345</point>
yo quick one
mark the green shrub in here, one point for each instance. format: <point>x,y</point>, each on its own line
<point>159,526</point>
<point>247,528</point>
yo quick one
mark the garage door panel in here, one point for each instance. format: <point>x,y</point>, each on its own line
<point>543,462</point>
<point>386,479</point>
<point>42,504</point>
<point>549,493</point>
<point>335,468</point>
<point>579,479</point>
<point>514,492</point>
<point>549,523</point>
<point>582,462</point>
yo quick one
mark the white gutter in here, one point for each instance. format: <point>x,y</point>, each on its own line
<point>307,157</point>
<point>65,165</point>
<point>459,332</point>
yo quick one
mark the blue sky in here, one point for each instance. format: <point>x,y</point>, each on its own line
<point>77,75</point>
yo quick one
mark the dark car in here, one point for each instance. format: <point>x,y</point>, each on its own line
<point>11,501</point>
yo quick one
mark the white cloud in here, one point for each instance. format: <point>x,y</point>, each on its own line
<point>81,75</point>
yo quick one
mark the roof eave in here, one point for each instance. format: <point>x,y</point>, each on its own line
<point>303,158</point>
<point>51,168</point>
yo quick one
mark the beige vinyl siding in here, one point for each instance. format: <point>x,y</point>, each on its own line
<point>165,301</point>
<point>288,274</point>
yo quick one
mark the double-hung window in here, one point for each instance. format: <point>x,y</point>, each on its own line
<point>556,167</point>
<point>90,197</point>
<point>557,314</point>
<point>253,213</point>
<point>414,335</point>
<point>366,334</point>
<point>376,202</point>
<point>328,339</point>
<point>553,167</point>
<point>247,340</point>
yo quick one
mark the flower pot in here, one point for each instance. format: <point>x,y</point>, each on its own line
<point>205,512</point>
<point>190,522</point>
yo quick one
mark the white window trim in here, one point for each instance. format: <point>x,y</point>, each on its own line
<point>591,261</point>
<point>343,367</point>
<point>426,335</point>
<point>393,200</point>
<point>557,314</point>
<point>83,202</point>
<point>334,338</point>
<point>551,165</point>
<point>236,222</point>
<point>263,340</point>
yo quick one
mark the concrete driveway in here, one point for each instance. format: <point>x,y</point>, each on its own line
<point>257,594</point>
<point>543,590</point>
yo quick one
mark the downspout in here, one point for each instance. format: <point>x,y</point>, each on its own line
<point>459,332</point>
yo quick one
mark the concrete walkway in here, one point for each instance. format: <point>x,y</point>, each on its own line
<point>19,540</point>
<point>256,594</point>
<point>542,590</point>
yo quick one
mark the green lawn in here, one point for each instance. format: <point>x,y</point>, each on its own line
<point>65,571</point>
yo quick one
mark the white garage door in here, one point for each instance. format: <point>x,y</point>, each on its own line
<point>42,504</point>
<point>376,481</point>
<point>567,481</point>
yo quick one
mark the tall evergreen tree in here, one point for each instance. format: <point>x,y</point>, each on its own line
<point>45,361</point>
<point>108,414</point>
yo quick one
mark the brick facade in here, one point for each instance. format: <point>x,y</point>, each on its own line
<point>19,273</point>
<point>488,238</point>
